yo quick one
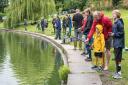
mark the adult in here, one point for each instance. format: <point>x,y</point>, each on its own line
<point>65,24</point>
<point>77,22</point>
<point>70,25</point>
<point>58,28</point>
<point>25,24</point>
<point>86,28</point>
<point>43,24</point>
<point>99,18</point>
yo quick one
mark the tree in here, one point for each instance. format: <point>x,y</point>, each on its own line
<point>115,3</point>
<point>3,4</point>
<point>19,10</point>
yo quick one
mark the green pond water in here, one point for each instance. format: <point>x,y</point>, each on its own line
<point>27,60</point>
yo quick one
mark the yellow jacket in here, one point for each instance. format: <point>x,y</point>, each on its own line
<point>99,41</point>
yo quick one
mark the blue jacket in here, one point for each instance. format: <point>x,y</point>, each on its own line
<point>58,24</point>
<point>118,30</point>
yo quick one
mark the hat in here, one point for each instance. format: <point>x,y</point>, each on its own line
<point>99,27</point>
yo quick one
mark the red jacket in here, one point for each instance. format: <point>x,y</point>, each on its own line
<point>107,26</point>
<point>84,24</point>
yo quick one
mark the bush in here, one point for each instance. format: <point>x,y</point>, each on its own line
<point>63,73</point>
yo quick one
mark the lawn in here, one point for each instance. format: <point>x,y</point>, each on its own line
<point>1,25</point>
<point>107,80</point>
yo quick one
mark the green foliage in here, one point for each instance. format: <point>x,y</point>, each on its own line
<point>63,73</point>
<point>3,4</point>
<point>19,10</point>
<point>115,3</point>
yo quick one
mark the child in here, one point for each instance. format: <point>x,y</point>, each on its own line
<point>98,47</point>
<point>118,41</point>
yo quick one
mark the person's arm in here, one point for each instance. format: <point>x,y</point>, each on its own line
<point>103,43</point>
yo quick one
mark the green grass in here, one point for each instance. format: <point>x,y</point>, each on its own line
<point>1,25</point>
<point>49,31</point>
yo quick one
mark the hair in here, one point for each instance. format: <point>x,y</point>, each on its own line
<point>88,10</point>
<point>96,13</point>
<point>77,10</point>
<point>117,12</point>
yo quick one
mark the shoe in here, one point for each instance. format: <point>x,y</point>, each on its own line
<point>74,48</point>
<point>88,59</point>
<point>117,76</point>
<point>94,67</point>
<point>100,68</point>
<point>115,73</point>
<point>83,53</point>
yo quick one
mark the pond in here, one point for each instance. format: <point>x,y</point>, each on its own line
<point>27,60</point>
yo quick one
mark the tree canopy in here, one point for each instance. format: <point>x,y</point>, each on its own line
<point>18,10</point>
<point>3,4</point>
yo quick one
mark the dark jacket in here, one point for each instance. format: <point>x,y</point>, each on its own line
<point>77,20</point>
<point>88,24</point>
<point>58,24</point>
<point>65,22</point>
<point>118,30</point>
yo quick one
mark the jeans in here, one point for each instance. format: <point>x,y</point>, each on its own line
<point>78,37</point>
<point>87,47</point>
<point>58,34</point>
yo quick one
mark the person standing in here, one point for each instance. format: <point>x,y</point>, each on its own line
<point>43,24</point>
<point>77,22</point>
<point>118,41</point>
<point>86,30</point>
<point>25,24</point>
<point>70,25</point>
<point>98,47</point>
<point>58,28</point>
<point>64,25</point>
<point>99,18</point>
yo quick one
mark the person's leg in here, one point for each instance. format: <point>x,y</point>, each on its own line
<point>89,53</point>
<point>80,40</point>
<point>118,58</point>
<point>75,40</point>
<point>95,63</point>
<point>54,29</point>
<point>70,31</point>
<point>25,28</point>
<point>108,55</point>
<point>84,50</point>
<point>59,34</point>
<point>56,34</point>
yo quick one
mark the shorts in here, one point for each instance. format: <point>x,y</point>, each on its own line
<point>118,54</point>
<point>98,54</point>
<point>108,43</point>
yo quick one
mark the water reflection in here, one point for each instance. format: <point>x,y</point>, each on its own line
<point>25,60</point>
